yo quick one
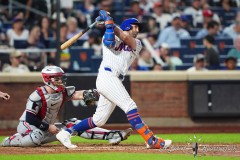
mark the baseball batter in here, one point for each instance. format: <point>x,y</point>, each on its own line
<point>120,48</point>
<point>37,124</point>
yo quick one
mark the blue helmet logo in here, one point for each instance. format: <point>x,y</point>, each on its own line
<point>126,24</point>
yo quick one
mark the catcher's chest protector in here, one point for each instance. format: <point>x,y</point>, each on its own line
<point>51,105</point>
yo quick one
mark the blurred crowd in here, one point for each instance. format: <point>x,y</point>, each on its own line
<point>164,24</point>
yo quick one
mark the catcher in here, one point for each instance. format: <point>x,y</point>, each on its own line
<point>37,124</point>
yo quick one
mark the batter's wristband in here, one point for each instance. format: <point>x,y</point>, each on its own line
<point>109,22</point>
<point>44,126</point>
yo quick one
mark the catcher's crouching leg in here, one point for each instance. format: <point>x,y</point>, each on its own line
<point>32,139</point>
<point>113,136</point>
<point>119,136</point>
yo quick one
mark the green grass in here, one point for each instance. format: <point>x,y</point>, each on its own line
<point>219,138</point>
<point>111,156</point>
<point>226,138</point>
<point>230,138</point>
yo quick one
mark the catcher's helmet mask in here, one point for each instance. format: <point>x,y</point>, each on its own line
<point>54,77</point>
<point>127,24</point>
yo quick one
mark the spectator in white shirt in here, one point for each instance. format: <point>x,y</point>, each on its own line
<point>196,11</point>
<point>199,62</point>
<point>16,66</point>
<point>17,32</point>
<point>146,5</point>
<point>162,18</point>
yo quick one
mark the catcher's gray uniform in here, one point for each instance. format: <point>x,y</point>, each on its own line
<point>41,110</point>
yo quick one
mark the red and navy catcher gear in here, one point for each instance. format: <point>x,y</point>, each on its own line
<point>54,77</point>
<point>127,24</point>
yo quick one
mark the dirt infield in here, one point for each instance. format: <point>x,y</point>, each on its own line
<point>165,130</point>
<point>216,150</point>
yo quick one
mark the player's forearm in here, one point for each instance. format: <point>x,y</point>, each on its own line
<point>127,39</point>
<point>33,120</point>
<point>78,95</point>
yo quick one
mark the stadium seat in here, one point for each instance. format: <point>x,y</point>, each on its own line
<point>217,9</point>
<point>228,22</point>
<point>179,52</point>
<point>199,25</point>
<point>118,18</point>
<point>225,16</point>
<point>127,15</point>
<point>222,59</point>
<point>224,51</point>
<point>166,68</point>
<point>193,31</point>
<point>20,44</point>
<point>79,42</point>
<point>223,42</point>
<point>184,66</point>
<point>186,54</point>
<point>4,59</point>
<point>191,43</point>
<point>7,25</point>
<point>118,5</point>
<point>49,42</point>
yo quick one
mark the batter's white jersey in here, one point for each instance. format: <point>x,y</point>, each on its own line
<point>115,64</point>
<point>120,57</point>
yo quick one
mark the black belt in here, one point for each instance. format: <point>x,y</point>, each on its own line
<point>120,76</point>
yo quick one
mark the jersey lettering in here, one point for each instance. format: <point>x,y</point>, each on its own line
<point>123,46</point>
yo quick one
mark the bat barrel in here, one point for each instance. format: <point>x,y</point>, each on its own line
<point>76,37</point>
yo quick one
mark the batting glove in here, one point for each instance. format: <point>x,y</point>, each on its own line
<point>107,19</point>
<point>104,15</point>
<point>99,20</point>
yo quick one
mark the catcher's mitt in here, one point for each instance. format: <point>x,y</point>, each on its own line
<point>90,96</point>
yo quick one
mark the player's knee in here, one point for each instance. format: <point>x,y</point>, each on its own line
<point>33,139</point>
<point>37,136</point>
<point>99,121</point>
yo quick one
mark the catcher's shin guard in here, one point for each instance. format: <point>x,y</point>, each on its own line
<point>147,134</point>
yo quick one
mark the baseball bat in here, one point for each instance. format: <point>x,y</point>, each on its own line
<point>76,37</point>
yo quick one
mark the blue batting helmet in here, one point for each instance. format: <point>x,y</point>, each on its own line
<point>126,24</point>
